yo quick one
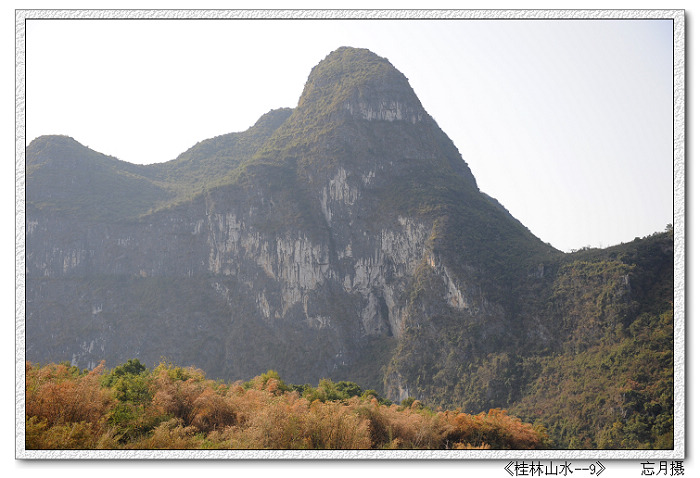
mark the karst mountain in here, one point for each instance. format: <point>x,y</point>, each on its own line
<point>344,238</point>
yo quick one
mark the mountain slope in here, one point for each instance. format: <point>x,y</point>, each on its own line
<point>65,177</point>
<point>69,178</point>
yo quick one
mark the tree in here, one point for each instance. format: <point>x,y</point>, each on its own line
<point>129,381</point>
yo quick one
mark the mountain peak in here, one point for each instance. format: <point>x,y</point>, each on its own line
<point>363,84</point>
<point>61,151</point>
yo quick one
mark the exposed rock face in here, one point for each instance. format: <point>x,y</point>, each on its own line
<point>331,235</point>
<point>384,111</point>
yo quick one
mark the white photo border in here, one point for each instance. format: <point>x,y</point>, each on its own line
<point>678,452</point>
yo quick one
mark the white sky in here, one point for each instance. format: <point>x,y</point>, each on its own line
<point>568,123</point>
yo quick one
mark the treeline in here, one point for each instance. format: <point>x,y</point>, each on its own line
<point>171,407</point>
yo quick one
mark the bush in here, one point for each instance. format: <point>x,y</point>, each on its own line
<point>68,409</point>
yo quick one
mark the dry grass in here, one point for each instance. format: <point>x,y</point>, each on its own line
<point>69,409</point>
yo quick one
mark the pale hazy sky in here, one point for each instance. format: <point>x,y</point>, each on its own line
<point>568,123</point>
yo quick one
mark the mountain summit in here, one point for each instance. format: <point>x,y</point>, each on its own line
<point>344,238</point>
<point>363,84</point>
<point>356,107</point>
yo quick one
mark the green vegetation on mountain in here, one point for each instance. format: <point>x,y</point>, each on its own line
<point>211,162</point>
<point>65,177</point>
<point>600,375</point>
<point>611,378</point>
<point>615,394</point>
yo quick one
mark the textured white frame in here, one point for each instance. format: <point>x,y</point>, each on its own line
<point>678,452</point>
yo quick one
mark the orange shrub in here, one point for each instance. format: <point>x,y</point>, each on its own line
<point>495,428</point>
<point>212,410</point>
<point>69,409</point>
<point>55,394</point>
<point>64,408</point>
<point>334,425</point>
<point>172,435</point>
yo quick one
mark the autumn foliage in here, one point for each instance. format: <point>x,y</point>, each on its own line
<point>172,407</point>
